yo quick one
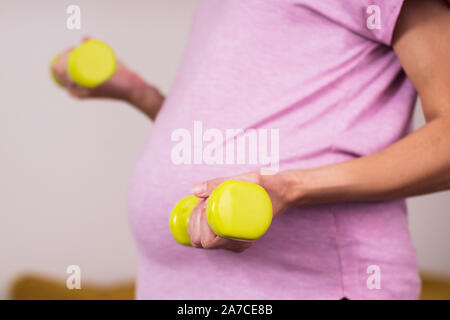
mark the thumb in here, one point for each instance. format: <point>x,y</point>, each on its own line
<point>204,189</point>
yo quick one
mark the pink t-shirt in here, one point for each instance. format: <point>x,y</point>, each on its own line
<point>324,75</point>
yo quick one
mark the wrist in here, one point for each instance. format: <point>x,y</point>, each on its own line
<point>305,187</point>
<point>145,97</point>
<point>137,89</point>
<point>296,187</point>
<point>284,188</point>
<point>319,185</point>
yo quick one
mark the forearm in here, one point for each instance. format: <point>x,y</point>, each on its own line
<point>417,164</point>
<point>146,98</point>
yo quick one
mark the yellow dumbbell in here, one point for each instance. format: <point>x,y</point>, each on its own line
<point>90,64</point>
<point>235,210</point>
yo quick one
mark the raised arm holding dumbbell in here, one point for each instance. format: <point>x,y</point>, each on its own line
<point>119,82</point>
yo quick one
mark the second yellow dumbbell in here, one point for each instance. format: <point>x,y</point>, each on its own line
<point>90,64</point>
<point>235,210</point>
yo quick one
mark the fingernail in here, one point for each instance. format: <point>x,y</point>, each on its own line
<point>199,189</point>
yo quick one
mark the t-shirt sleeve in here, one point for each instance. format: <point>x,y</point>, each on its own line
<point>372,19</point>
<point>381,19</point>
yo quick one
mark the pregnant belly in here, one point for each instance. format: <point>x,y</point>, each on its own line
<point>302,244</point>
<point>157,184</point>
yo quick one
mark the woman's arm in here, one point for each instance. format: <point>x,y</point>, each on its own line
<point>145,98</point>
<point>419,163</point>
<point>416,164</point>
<point>125,85</point>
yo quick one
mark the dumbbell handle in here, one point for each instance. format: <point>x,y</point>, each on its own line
<point>90,64</point>
<point>235,209</point>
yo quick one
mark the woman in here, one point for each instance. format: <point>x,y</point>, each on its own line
<point>338,81</point>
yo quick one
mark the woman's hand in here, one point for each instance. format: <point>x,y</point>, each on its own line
<point>120,86</point>
<point>124,85</point>
<point>199,230</point>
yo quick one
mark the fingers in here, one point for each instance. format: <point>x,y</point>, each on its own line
<point>59,68</point>
<point>208,238</point>
<point>252,177</point>
<point>76,91</point>
<point>194,227</point>
<point>199,230</point>
<point>204,189</point>
<point>239,246</point>
<point>202,235</point>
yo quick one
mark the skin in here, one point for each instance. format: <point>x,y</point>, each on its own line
<point>415,165</point>
<point>125,85</point>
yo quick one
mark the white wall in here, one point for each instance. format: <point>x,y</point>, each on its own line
<point>65,164</point>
